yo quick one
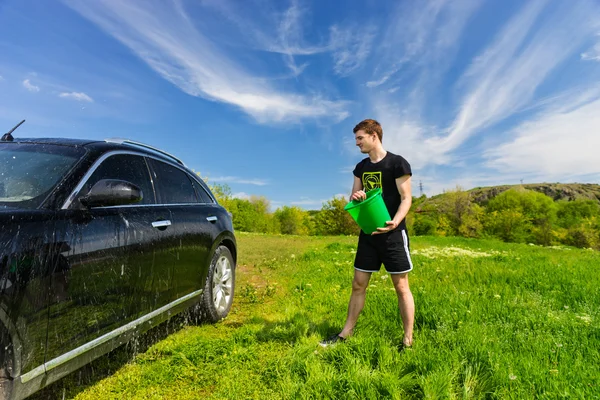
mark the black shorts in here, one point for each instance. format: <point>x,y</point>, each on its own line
<point>391,249</point>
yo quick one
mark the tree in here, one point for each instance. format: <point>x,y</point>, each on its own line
<point>461,215</point>
<point>471,222</point>
<point>334,220</point>
<point>525,215</point>
<point>423,225</point>
<point>252,215</point>
<point>292,220</point>
<point>509,225</point>
<point>585,234</point>
<point>223,195</point>
<point>572,213</point>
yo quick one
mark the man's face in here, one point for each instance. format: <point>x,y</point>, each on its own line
<point>364,141</point>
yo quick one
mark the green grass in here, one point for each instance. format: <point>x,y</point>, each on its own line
<point>493,320</point>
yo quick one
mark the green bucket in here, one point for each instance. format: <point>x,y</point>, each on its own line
<point>370,213</point>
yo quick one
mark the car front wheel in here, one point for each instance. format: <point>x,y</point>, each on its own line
<point>220,284</point>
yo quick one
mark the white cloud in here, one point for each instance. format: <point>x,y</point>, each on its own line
<point>350,47</point>
<point>560,144</point>
<point>31,87</point>
<point>79,96</point>
<point>504,79</point>
<point>241,195</point>
<point>421,35</point>
<point>406,136</point>
<point>593,54</point>
<point>235,179</point>
<point>305,201</point>
<point>166,39</point>
<point>276,32</point>
<point>290,33</point>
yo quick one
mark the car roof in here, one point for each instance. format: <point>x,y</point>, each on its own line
<point>58,141</point>
<point>102,145</point>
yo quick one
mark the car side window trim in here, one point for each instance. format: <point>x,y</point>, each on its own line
<point>197,183</point>
<point>75,192</point>
<point>201,186</point>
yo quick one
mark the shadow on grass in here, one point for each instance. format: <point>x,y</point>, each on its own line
<point>292,329</point>
<point>288,331</point>
<point>105,366</point>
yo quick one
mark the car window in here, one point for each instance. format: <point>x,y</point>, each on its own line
<point>127,167</point>
<point>204,196</point>
<point>173,185</point>
<point>29,172</point>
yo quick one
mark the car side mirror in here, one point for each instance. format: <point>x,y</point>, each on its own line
<point>112,192</point>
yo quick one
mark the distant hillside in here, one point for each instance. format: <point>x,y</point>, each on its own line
<point>557,191</point>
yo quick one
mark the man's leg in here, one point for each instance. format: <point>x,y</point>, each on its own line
<point>357,301</point>
<point>406,304</point>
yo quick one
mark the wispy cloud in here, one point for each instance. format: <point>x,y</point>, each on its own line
<point>350,47</point>
<point>275,32</point>
<point>504,78</point>
<point>593,54</point>
<point>413,55</point>
<point>306,201</point>
<point>167,40</point>
<point>235,179</point>
<point>241,195</point>
<point>405,135</point>
<point>79,96</point>
<point>560,142</point>
<point>420,35</point>
<point>31,87</point>
<point>290,33</point>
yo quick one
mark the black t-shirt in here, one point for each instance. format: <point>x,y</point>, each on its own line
<point>383,175</point>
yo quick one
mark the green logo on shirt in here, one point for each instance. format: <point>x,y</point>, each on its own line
<point>371,180</point>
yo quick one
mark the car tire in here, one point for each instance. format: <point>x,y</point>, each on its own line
<point>220,285</point>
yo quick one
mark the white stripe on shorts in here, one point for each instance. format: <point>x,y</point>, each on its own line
<point>405,239</point>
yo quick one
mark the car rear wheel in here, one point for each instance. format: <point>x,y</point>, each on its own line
<point>220,284</point>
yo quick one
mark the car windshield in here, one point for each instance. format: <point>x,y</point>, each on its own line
<point>29,171</point>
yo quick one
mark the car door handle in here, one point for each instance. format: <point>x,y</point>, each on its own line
<point>161,224</point>
<point>212,218</point>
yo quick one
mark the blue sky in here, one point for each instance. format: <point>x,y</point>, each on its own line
<point>263,95</point>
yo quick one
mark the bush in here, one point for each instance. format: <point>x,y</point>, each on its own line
<point>471,225</point>
<point>423,225</point>
<point>334,220</point>
<point>584,235</point>
<point>572,213</point>
<point>522,215</point>
<point>293,220</point>
<point>508,225</point>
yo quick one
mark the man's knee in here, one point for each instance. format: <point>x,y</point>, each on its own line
<point>359,285</point>
<point>401,284</point>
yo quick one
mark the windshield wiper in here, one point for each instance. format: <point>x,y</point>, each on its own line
<point>7,137</point>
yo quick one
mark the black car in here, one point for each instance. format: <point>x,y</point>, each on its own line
<point>100,241</point>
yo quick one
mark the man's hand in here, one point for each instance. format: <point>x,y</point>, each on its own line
<point>358,195</point>
<point>390,226</point>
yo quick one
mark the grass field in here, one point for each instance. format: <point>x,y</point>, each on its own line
<point>493,320</point>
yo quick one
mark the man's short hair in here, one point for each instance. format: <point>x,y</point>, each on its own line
<point>371,127</point>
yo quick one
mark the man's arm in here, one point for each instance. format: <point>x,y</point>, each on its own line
<point>357,190</point>
<point>403,185</point>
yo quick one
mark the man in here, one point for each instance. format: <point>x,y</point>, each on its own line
<point>388,245</point>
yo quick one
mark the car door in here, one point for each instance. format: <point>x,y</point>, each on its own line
<point>193,222</point>
<point>111,276</point>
